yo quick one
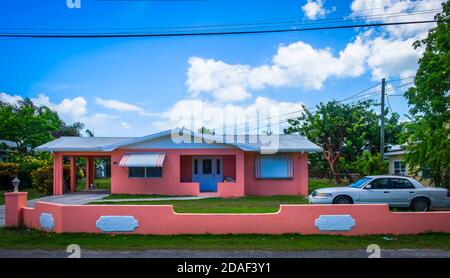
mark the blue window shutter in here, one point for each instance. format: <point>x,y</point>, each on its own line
<point>275,166</point>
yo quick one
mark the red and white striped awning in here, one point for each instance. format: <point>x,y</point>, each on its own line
<point>142,160</point>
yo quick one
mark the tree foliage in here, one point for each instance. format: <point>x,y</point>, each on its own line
<point>29,125</point>
<point>428,132</point>
<point>345,131</point>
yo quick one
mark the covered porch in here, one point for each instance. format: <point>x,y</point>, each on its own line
<point>179,172</point>
<point>66,166</point>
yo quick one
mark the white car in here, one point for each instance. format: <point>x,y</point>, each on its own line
<point>395,191</point>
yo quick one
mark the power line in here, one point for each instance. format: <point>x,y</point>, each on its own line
<point>389,104</point>
<point>311,108</point>
<point>212,33</point>
<point>274,23</point>
<point>400,79</point>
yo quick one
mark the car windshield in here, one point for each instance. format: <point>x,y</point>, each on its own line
<point>359,183</point>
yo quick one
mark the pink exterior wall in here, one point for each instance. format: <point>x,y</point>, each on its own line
<point>298,185</point>
<point>178,165</point>
<point>160,219</point>
<point>170,183</point>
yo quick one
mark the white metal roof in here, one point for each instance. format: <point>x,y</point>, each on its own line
<point>283,142</point>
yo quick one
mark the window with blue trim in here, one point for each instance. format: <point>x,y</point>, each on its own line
<point>274,166</point>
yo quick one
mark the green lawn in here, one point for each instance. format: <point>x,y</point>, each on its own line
<point>136,196</point>
<point>314,184</point>
<point>100,183</point>
<point>248,204</point>
<point>32,194</point>
<point>32,239</point>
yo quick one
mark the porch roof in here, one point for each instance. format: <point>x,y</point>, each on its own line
<point>285,142</point>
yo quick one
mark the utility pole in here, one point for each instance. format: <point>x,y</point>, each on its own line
<point>383,85</point>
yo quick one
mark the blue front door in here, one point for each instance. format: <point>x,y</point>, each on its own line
<point>207,171</point>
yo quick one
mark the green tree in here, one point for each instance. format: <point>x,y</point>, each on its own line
<point>69,130</point>
<point>344,131</point>
<point>429,131</point>
<point>30,126</point>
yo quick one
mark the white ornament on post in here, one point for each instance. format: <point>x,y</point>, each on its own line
<point>16,183</point>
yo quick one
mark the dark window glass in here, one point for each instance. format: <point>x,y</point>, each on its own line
<point>381,184</point>
<point>218,167</point>
<point>207,166</point>
<point>154,172</point>
<point>136,172</point>
<point>195,166</point>
<point>399,168</point>
<point>402,184</point>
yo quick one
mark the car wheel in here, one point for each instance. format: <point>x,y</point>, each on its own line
<point>420,204</point>
<point>342,200</point>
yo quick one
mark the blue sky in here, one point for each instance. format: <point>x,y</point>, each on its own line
<point>137,86</point>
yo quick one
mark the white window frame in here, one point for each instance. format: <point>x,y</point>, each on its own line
<point>400,168</point>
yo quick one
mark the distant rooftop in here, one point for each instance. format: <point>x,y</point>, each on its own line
<point>10,144</point>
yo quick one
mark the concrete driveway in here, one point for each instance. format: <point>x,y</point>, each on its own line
<point>67,199</point>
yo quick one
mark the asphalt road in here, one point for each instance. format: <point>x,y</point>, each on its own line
<point>400,253</point>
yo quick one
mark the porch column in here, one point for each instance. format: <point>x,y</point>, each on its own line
<point>88,172</point>
<point>240,172</point>
<point>92,170</point>
<point>58,174</point>
<point>73,174</point>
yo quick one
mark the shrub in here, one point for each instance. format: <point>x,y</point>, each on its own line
<point>8,171</point>
<point>27,163</point>
<point>371,164</point>
<point>42,179</point>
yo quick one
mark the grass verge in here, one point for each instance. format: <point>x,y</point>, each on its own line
<point>32,239</point>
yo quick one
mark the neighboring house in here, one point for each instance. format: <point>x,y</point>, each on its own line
<point>6,148</point>
<point>192,164</point>
<point>397,164</point>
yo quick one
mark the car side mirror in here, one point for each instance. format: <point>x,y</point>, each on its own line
<point>368,186</point>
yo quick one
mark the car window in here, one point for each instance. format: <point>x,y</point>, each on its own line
<point>402,184</point>
<point>382,183</point>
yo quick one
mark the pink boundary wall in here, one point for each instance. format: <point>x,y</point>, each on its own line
<point>162,220</point>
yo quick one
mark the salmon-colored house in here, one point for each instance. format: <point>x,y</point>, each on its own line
<point>181,162</point>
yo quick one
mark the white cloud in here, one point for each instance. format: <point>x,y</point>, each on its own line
<point>388,11</point>
<point>195,113</point>
<point>69,110</point>
<point>10,99</point>
<point>390,57</point>
<point>314,9</point>
<point>120,106</point>
<point>296,64</point>
<point>125,125</point>
<point>391,53</point>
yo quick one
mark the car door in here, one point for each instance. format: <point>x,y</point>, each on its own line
<point>403,191</point>
<point>379,191</point>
